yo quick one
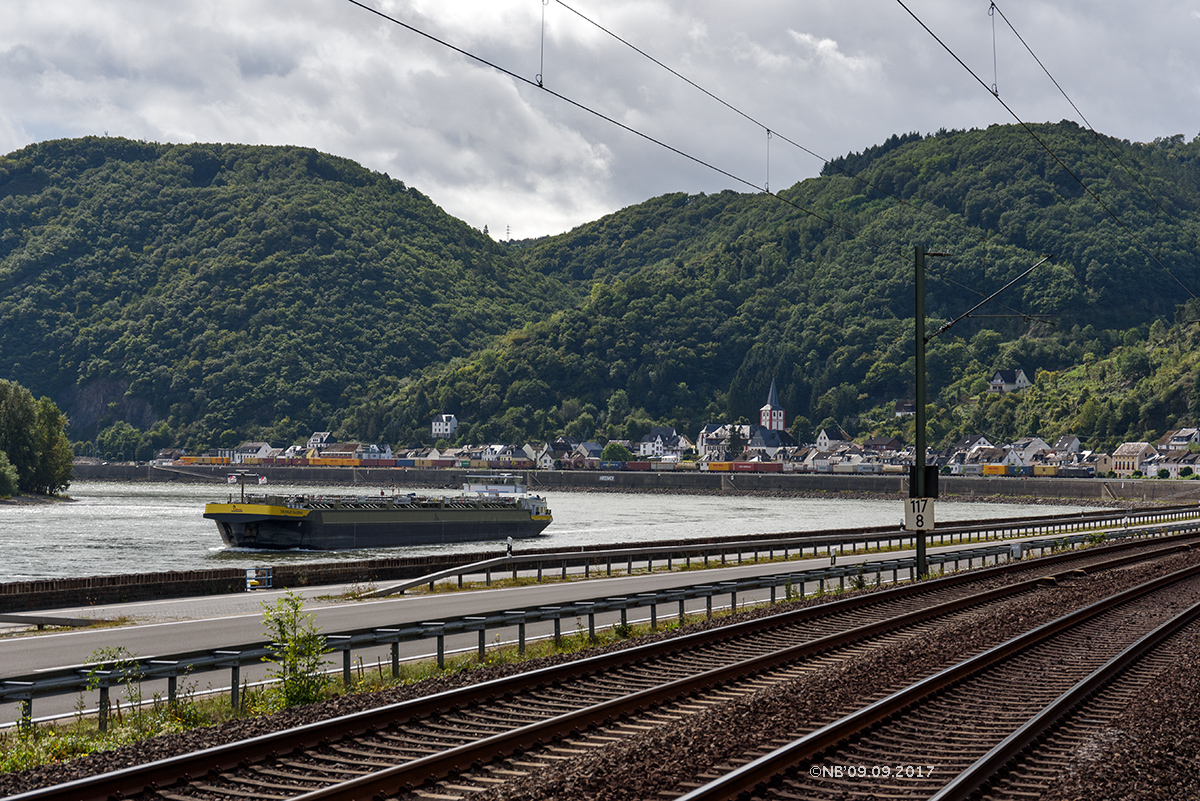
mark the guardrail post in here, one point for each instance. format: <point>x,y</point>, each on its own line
<point>384,634</point>
<point>341,642</point>
<point>172,680</point>
<point>591,615</point>
<point>708,607</point>
<point>439,627</point>
<point>25,721</point>
<point>102,708</point>
<point>235,676</point>
<point>682,611</point>
<point>25,716</point>
<point>558,632</point>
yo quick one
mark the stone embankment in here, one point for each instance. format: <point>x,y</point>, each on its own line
<point>1018,489</point>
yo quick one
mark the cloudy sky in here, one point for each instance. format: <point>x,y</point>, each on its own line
<point>832,75</point>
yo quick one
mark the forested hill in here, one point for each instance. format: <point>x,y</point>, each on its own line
<point>211,293</point>
<point>216,291</point>
<point>698,302</point>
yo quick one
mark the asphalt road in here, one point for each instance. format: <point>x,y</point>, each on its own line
<point>226,621</point>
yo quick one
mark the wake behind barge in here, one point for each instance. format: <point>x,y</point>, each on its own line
<point>496,511</point>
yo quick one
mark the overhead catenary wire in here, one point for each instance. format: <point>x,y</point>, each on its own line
<point>539,84</point>
<point>1032,133</point>
<point>771,132</point>
<point>623,126</point>
<point>1103,140</point>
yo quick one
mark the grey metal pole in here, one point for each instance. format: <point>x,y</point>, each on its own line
<point>919,338</point>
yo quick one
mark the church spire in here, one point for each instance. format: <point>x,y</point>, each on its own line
<point>771,415</point>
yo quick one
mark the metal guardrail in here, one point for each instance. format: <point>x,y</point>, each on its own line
<point>880,537</point>
<point>41,621</point>
<point>24,689</point>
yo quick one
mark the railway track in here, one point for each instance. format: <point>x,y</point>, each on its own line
<point>481,736</point>
<point>998,723</point>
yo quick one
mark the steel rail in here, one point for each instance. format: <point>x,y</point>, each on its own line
<point>462,757</point>
<point>750,776</point>
<point>136,778</point>
<point>988,766</point>
<point>165,772</point>
<point>74,678</point>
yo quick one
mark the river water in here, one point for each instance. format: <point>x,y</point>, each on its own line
<point>143,527</point>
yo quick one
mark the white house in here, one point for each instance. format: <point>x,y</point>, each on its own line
<point>1029,447</point>
<point>1177,440</point>
<point>1008,381</point>
<point>825,442</point>
<point>444,426</point>
<point>250,450</point>
<point>663,441</point>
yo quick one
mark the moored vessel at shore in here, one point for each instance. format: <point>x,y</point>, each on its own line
<point>498,508</point>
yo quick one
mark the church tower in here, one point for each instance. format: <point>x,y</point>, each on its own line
<point>771,416</point>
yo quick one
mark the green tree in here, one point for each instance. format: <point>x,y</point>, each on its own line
<point>735,444</point>
<point>8,477</point>
<point>33,438</point>
<point>18,422</point>
<point>119,442</point>
<point>298,650</point>
<point>615,452</point>
<point>802,429</point>
<point>53,470</point>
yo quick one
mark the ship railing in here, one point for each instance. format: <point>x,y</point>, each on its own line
<point>751,590</point>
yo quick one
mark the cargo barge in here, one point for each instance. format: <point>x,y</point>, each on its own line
<point>491,508</point>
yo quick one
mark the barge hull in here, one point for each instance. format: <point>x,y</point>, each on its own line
<point>327,529</point>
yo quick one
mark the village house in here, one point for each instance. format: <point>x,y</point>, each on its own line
<point>1177,463</point>
<point>1008,381</point>
<point>1130,457</point>
<point>1177,440</point>
<point>444,426</point>
<point>1068,443</point>
<point>1028,448</point>
<point>826,441</point>
<point>250,450</point>
<point>664,442</point>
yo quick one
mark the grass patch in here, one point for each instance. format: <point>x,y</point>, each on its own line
<point>61,741</point>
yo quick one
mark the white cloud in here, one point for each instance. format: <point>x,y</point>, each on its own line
<point>835,75</point>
